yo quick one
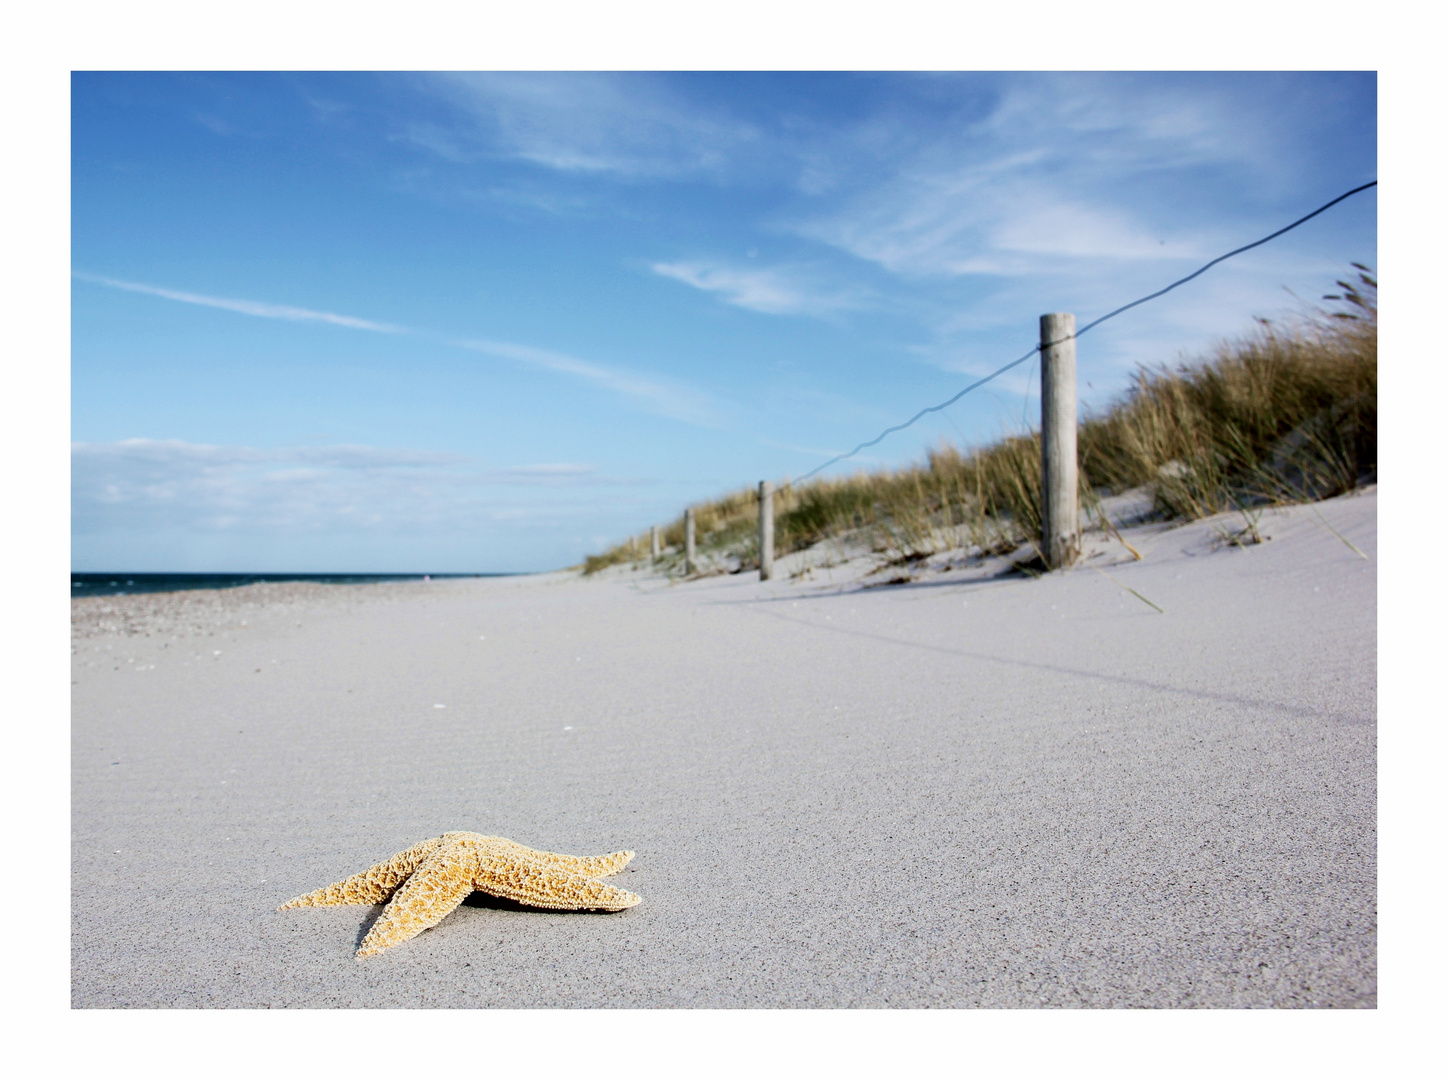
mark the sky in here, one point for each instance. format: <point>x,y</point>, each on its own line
<point>391,322</point>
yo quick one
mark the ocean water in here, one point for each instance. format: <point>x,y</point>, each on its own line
<point>121,584</point>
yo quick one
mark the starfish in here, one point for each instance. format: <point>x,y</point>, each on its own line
<point>423,884</point>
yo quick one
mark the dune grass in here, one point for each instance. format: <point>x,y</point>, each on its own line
<point>1282,415</point>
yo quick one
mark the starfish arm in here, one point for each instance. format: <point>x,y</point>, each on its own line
<point>373,885</point>
<point>541,885</point>
<point>594,866</point>
<point>437,887</point>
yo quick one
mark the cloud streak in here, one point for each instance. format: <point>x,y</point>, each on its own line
<point>771,290</point>
<point>630,126</point>
<point>246,307</point>
<point>680,403</point>
<point>170,483</point>
<point>1063,169</point>
<point>674,401</point>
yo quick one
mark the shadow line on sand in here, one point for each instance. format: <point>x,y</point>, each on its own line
<point>1061,669</point>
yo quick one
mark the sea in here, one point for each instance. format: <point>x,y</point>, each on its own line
<point>123,584</point>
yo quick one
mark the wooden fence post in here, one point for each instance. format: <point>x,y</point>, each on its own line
<point>1060,503</point>
<point>689,566</point>
<point>654,542</point>
<point>766,530</point>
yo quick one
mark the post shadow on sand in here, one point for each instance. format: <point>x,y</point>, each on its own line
<point>772,606</point>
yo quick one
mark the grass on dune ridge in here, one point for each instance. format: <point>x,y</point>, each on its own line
<point>1282,415</point>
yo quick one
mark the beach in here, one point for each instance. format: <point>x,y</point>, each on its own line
<point>972,789</point>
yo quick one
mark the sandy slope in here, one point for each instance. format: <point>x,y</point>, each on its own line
<point>964,791</point>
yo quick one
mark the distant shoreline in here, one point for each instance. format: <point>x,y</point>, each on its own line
<point>179,613</point>
<point>116,583</point>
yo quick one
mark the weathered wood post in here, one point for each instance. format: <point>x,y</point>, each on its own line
<point>654,542</point>
<point>689,567</point>
<point>1060,503</point>
<point>766,530</point>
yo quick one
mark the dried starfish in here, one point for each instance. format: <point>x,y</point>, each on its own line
<point>440,872</point>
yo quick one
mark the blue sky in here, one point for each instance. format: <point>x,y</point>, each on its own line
<point>394,322</point>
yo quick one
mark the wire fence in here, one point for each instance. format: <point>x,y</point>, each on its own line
<point>1089,326</point>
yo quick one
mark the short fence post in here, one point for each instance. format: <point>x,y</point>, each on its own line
<point>689,541</point>
<point>1060,503</point>
<point>766,530</point>
<point>654,544</point>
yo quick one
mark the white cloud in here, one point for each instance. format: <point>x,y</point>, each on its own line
<point>676,401</point>
<point>246,307</point>
<point>1059,170</point>
<point>772,290</point>
<point>584,122</point>
<point>1061,227</point>
<point>971,223</point>
<point>559,475</point>
<point>168,483</point>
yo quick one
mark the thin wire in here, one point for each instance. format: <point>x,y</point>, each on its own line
<point>933,408</point>
<point>1088,326</point>
<point>1228,255</point>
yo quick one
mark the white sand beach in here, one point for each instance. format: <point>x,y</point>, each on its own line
<point>964,791</point>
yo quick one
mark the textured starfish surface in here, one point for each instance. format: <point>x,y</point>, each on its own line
<point>427,881</point>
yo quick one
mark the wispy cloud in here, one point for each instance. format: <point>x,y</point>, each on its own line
<point>169,483</point>
<point>966,223</point>
<point>583,122</point>
<point>1060,169</point>
<point>168,453</point>
<point>675,401</point>
<point>246,307</point>
<point>561,473</point>
<point>772,290</point>
<point>679,402</point>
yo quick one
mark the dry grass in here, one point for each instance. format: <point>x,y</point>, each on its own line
<point>1285,414</point>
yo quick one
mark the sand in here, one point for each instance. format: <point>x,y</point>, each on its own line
<point>968,790</point>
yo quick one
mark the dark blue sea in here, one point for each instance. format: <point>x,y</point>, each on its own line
<point>121,584</point>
